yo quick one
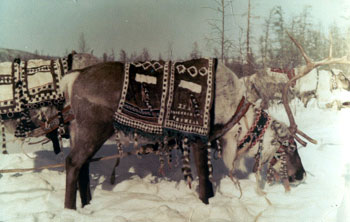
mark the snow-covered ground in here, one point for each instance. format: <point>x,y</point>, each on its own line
<point>140,194</point>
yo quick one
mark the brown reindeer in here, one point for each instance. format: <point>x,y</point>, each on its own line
<point>96,93</point>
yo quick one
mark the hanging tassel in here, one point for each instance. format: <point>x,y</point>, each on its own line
<point>284,172</point>
<point>210,165</point>
<point>186,168</point>
<point>258,157</point>
<point>170,159</point>
<point>146,97</point>
<point>3,135</point>
<point>61,131</point>
<point>161,160</point>
<point>120,152</point>
<point>168,151</point>
<point>177,147</point>
<point>219,149</point>
<point>161,152</point>
<point>136,144</point>
<point>271,175</point>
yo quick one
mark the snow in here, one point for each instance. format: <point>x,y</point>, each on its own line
<point>140,194</point>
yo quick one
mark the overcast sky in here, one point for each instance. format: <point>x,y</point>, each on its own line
<point>54,26</point>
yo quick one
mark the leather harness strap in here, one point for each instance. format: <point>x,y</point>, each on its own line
<point>240,112</point>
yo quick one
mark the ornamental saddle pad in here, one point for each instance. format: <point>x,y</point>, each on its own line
<point>9,74</point>
<point>34,81</point>
<point>160,96</point>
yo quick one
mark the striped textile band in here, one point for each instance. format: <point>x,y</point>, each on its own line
<point>210,165</point>
<point>186,168</point>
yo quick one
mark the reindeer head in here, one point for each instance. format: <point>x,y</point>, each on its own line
<point>286,163</point>
<point>341,81</point>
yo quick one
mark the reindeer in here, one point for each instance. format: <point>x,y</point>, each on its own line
<point>301,72</point>
<point>328,86</point>
<point>96,93</point>
<point>10,120</point>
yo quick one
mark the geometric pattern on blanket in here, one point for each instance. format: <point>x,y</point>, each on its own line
<point>159,97</point>
<point>9,74</point>
<point>143,97</point>
<point>191,93</point>
<point>39,85</point>
<point>41,81</point>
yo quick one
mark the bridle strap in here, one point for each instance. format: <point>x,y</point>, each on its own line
<point>240,112</point>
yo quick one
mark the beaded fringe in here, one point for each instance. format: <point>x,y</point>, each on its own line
<point>210,165</point>
<point>3,136</point>
<point>120,152</point>
<point>165,151</point>
<point>186,168</point>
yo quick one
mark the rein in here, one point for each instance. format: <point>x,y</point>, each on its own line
<point>54,122</point>
<point>59,165</point>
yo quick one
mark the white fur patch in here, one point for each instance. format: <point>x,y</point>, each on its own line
<point>66,84</point>
<point>145,79</point>
<point>190,86</point>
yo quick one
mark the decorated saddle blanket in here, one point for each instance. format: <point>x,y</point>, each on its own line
<point>158,97</point>
<point>9,75</point>
<point>29,85</point>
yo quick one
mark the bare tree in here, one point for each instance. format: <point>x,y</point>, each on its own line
<point>195,54</point>
<point>170,50</point>
<point>83,46</point>
<point>123,56</point>
<point>160,57</point>
<point>248,49</point>
<point>111,56</point>
<point>265,40</point>
<point>133,57</point>
<point>105,57</point>
<point>146,56</point>
<point>219,29</point>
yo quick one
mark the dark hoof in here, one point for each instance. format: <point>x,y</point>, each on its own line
<point>205,200</point>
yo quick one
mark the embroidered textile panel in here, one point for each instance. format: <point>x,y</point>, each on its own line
<point>41,81</point>
<point>191,96</point>
<point>9,74</point>
<point>159,96</point>
<point>142,104</point>
<point>40,84</point>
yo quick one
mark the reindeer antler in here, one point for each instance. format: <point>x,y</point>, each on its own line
<point>303,70</point>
